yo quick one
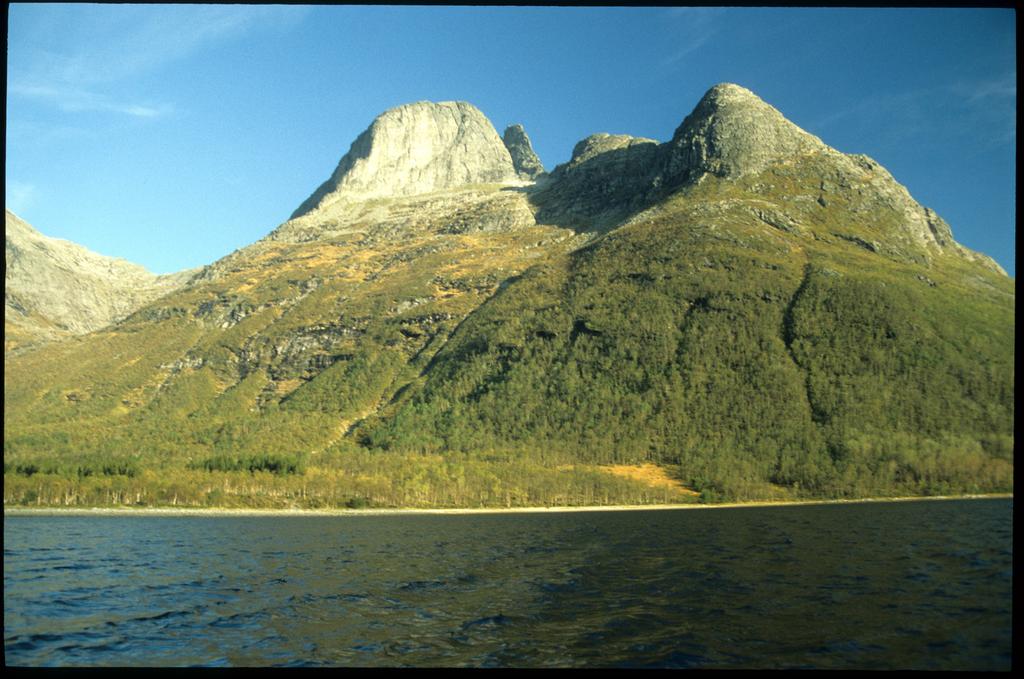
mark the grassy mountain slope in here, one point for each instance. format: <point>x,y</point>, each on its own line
<point>750,356</point>
<point>264,363</point>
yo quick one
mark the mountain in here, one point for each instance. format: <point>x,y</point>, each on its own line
<point>740,312</point>
<point>54,288</point>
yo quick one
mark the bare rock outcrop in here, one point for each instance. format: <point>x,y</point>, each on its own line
<point>417,148</point>
<point>524,158</point>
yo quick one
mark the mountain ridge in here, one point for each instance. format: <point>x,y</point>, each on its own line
<point>54,287</point>
<point>731,132</point>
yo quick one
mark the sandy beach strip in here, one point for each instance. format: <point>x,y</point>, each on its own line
<point>214,511</point>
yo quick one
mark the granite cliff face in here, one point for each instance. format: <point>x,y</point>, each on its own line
<point>424,165</point>
<point>417,148</point>
<point>54,288</point>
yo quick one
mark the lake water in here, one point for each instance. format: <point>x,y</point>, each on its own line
<point>923,584</point>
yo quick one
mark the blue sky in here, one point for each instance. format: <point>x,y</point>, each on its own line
<point>172,135</point>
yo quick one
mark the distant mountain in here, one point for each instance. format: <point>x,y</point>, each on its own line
<point>54,288</point>
<point>742,308</point>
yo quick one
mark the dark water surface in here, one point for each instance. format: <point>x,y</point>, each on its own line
<point>882,585</point>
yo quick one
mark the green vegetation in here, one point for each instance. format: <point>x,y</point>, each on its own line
<point>76,468</point>
<point>275,464</point>
<point>742,362</point>
<point>749,362</point>
<point>346,477</point>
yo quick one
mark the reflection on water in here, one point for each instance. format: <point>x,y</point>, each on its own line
<point>890,585</point>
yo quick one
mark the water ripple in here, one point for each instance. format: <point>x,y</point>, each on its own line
<point>902,585</point>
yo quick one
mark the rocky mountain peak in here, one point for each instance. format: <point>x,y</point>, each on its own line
<point>733,132</point>
<point>524,158</point>
<point>417,148</point>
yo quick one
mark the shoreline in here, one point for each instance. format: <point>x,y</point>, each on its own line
<point>225,511</point>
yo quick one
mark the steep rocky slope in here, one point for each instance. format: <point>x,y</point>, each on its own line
<point>752,310</point>
<point>54,288</point>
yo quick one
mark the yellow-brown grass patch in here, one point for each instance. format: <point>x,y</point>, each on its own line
<point>651,474</point>
<point>285,387</point>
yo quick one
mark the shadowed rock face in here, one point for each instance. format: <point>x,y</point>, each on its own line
<point>731,132</point>
<point>608,174</point>
<point>524,158</point>
<point>417,148</point>
<point>54,286</point>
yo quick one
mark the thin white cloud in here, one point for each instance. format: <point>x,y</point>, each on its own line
<point>141,111</point>
<point>1003,88</point>
<point>74,100</point>
<point>986,110</point>
<point>695,26</point>
<point>76,56</point>
<point>889,105</point>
